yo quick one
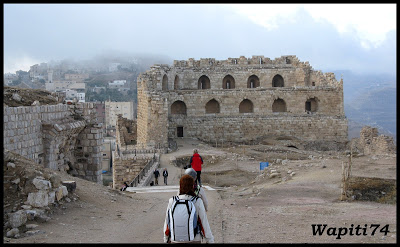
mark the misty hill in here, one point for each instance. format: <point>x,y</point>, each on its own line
<point>369,99</point>
<point>376,108</point>
<point>356,84</point>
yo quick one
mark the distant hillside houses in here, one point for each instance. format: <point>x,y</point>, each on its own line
<point>74,90</point>
<point>120,85</point>
<point>77,77</point>
<point>38,71</point>
<point>112,110</point>
<point>9,78</point>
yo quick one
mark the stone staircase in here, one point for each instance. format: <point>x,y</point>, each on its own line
<point>146,179</point>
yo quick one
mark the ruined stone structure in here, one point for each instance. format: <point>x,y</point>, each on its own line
<point>370,143</point>
<point>239,100</point>
<point>129,161</point>
<point>59,137</point>
<point>126,132</point>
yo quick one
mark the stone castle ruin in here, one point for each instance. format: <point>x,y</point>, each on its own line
<point>56,136</point>
<point>370,143</point>
<point>241,100</point>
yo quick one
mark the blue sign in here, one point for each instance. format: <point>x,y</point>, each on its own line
<point>263,165</point>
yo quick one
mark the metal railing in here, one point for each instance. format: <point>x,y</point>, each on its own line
<point>142,173</point>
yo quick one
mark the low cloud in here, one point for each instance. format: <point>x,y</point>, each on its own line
<point>182,31</point>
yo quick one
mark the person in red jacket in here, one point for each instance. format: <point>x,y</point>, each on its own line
<point>196,161</point>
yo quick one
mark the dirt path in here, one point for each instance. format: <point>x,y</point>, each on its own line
<point>104,215</point>
<point>261,210</point>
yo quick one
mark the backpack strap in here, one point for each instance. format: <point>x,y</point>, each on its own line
<point>194,198</point>
<point>197,190</point>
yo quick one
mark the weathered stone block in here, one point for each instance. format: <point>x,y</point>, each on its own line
<point>18,218</point>
<point>38,199</point>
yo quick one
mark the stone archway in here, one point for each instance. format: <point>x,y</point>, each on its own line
<point>279,105</point>
<point>246,106</point>
<point>165,83</point>
<point>176,82</point>
<point>253,82</point>
<point>204,82</point>
<point>311,105</point>
<point>178,108</point>
<point>278,81</point>
<point>212,106</point>
<point>228,82</point>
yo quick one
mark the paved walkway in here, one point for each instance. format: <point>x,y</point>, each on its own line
<point>185,148</point>
<point>162,188</point>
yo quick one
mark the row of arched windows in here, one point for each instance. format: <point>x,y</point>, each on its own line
<point>246,106</point>
<point>227,83</point>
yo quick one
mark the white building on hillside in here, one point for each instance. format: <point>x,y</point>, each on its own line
<point>111,114</point>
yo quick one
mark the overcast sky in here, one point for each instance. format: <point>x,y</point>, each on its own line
<point>358,37</point>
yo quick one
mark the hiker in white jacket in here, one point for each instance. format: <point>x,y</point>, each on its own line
<point>186,192</point>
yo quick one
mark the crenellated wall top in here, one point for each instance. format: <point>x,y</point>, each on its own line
<point>185,74</point>
<point>259,61</point>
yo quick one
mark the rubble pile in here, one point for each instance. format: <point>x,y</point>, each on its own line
<point>31,194</point>
<point>14,97</point>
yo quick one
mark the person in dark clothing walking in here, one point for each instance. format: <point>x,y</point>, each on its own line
<point>165,175</point>
<point>124,186</point>
<point>196,161</point>
<point>156,175</point>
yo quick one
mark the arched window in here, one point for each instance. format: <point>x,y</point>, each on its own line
<point>165,83</point>
<point>204,82</point>
<point>253,82</point>
<point>311,105</point>
<point>277,81</point>
<point>178,107</point>
<point>246,106</point>
<point>212,106</point>
<point>228,82</point>
<point>176,82</point>
<point>279,105</point>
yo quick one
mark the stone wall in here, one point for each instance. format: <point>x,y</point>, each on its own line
<point>126,131</point>
<point>254,128</point>
<point>192,99</point>
<point>370,143</point>
<point>152,120</point>
<point>125,169</point>
<point>60,137</point>
<point>128,158</point>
